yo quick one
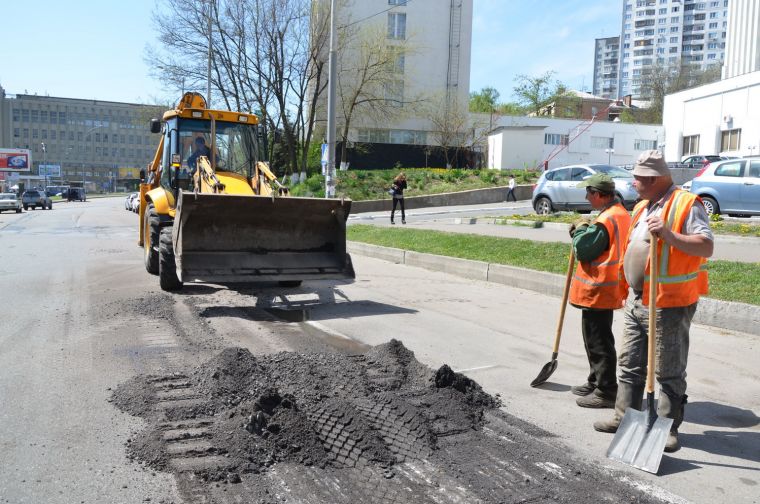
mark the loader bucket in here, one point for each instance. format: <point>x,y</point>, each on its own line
<point>221,238</point>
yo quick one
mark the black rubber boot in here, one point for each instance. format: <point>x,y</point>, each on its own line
<point>672,407</point>
<point>628,396</point>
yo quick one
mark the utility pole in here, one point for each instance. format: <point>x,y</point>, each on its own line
<point>331,91</point>
<point>44,161</point>
<point>208,68</point>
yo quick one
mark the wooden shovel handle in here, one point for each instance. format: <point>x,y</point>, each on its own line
<point>653,278</point>
<point>565,295</point>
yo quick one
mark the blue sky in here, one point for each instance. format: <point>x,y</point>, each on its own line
<point>94,49</point>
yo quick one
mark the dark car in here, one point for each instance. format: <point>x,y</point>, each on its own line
<point>76,194</point>
<point>699,161</point>
<point>34,198</point>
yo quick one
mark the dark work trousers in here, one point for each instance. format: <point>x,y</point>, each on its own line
<point>511,192</point>
<point>600,349</point>
<point>397,200</point>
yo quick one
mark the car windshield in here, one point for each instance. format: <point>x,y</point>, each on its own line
<point>236,144</point>
<point>7,196</point>
<point>613,171</point>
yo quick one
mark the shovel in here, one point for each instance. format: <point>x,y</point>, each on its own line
<point>550,366</point>
<point>641,436</point>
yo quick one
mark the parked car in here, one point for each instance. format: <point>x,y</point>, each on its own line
<point>76,194</point>
<point>730,186</point>
<point>136,203</point>
<point>9,201</point>
<point>557,189</point>
<point>699,161</point>
<point>128,200</point>
<point>34,198</point>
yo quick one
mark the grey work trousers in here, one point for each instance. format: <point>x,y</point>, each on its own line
<point>672,346</point>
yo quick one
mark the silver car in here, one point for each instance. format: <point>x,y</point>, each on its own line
<point>557,189</point>
<point>730,187</point>
<point>9,201</point>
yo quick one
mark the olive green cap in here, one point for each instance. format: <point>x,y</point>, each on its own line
<point>601,182</point>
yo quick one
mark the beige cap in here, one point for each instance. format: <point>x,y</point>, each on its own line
<point>651,164</point>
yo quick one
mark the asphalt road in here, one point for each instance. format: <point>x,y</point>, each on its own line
<point>71,335</point>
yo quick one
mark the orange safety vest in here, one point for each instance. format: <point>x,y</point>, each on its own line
<point>600,283</point>
<point>682,277</point>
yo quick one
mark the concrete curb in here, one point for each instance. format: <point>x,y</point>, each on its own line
<point>711,312</point>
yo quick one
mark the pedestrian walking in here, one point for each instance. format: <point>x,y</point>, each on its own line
<point>681,226</point>
<point>398,186</point>
<point>511,191</point>
<point>598,289</point>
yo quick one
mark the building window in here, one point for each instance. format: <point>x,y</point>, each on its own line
<point>556,139</point>
<point>396,25</point>
<point>690,145</point>
<point>396,2</point>
<point>16,133</point>
<point>25,115</point>
<point>730,140</point>
<point>601,143</point>
<point>641,145</point>
<point>35,115</point>
<point>394,94</point>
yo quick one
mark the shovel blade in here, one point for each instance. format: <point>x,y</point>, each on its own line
<point>637,444</point>
<point>545,373</point>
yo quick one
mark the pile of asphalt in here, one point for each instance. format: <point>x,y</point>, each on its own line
<point>378,409</point>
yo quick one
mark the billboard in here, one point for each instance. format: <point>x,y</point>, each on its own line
<point>129,173</point>
<point>50,170</point>
<point>15,160</point>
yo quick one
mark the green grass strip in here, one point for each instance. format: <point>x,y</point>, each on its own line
<point>729,281</point>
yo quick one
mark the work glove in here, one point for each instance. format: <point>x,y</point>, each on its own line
<point>579,225</point>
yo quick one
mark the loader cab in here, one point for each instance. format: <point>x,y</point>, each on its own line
<point>235,149</point>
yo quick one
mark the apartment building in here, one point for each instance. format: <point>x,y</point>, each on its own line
<point>434,68</point>
<point>743,42</point>
<point>668,32</point>
<point>92,141</point>
<point>606,59</point>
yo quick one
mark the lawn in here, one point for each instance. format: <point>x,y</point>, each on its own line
<point>729,281</point>
<point>373,184</point>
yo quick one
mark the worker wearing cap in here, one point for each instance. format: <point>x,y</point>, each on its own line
<point>682,227</point>
<point>598,287</point>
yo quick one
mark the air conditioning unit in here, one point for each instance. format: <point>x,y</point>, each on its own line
<point>727,119</point>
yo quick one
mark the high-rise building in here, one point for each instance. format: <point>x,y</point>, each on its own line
<point>743,38</point>
<point>606,54</point>
<point>91,140</point>
<point>669,32</point>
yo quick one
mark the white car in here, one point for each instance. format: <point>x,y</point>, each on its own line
<point>9,201</point>
<point>129,201</point>
<point>136,203</point>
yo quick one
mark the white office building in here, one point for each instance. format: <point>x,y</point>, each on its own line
<point>668,32</point>
<point>526,142</point>
<point>722,117</point>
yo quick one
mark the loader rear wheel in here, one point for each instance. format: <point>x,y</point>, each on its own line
<point>167,269</point>
<point>150,239</point>
<point>290,283</point>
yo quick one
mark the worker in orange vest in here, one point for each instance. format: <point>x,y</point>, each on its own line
<point>682,228</point>
<point>598,287</point>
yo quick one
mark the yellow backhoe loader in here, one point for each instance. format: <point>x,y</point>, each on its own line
<point>211,210</point>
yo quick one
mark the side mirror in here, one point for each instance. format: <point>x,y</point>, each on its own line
<point>155,125</point>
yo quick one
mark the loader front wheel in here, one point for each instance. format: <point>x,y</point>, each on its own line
<point>167,269</point>
<point>150,239</point>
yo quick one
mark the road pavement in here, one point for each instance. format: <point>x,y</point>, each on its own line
<point>85,317</point>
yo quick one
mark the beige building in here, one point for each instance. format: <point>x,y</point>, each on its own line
<point>91,140</point>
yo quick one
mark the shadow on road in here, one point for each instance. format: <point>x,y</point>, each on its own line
<point>720,415</point>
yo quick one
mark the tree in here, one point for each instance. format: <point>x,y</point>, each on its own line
<point>453,130</point>
<point>486,100</point>
<point>370,77</point>
<point>535,93</point>
<point>660,80</point>
<point>264,59</point>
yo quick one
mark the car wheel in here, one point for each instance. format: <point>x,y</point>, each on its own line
<point>711,206</point>
<point>167,269</point>
<point>26,207</point>
<point>18,210</point>
<point>151,232</point>
<point>543,206</point>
